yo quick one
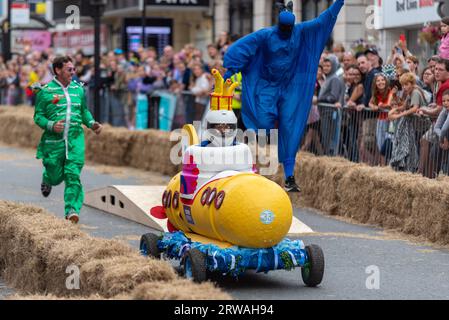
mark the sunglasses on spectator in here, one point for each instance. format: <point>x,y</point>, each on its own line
<point>71,69</point>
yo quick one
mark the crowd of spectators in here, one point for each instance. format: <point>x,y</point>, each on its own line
<point>367,108</point>
<point>383,110</point>
<point>123,77</point>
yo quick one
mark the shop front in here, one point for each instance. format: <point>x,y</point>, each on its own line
<point>168,22</point>
<point>395,19</point>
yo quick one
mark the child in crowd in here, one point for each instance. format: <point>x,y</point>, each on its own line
<point>443,51</point>
<point>405,153</point>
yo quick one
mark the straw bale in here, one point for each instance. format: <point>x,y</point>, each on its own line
<point>37,248</point>
<point>179,289</point>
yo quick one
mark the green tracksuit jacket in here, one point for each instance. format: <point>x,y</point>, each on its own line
<point>62,153</point>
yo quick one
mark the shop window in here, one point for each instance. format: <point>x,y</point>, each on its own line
<point>240,17</point>
<point>275,11</point>
<point>309,9</point>
<point>312,9</point>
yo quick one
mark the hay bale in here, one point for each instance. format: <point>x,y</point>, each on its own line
<point>378,196</point>
<point>50,297</point>
<point>117,275</point>
<point>179,289</point>
<point>37,248</point>
<point>18,127</point>
<point>110,147</point>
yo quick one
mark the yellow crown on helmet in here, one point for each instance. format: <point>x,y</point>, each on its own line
<point>221,98</point>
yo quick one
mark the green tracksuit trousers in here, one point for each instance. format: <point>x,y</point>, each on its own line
<point>58,168</point>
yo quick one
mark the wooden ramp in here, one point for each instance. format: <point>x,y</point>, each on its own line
<point>130,202</point>
<point>135,202</point>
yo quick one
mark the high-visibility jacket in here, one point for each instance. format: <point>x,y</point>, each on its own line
<point>237,104</point>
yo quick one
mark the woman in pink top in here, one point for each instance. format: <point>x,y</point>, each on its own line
<point>444,46</point>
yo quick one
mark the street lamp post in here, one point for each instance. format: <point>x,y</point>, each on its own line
<point>144,22</point>
<point>6,34</point>
<point>98,8</point>
<point>97,54</point>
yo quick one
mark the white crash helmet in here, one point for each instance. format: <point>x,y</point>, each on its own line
<point>221,128</point>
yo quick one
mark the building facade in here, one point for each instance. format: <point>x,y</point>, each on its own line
<point>244,16</point>
<point>178,22</point>
<point>168,22</point>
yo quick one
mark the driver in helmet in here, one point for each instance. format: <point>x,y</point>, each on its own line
<point>221,129</point>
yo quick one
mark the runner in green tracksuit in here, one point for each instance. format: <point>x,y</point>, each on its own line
<point>60,111</point>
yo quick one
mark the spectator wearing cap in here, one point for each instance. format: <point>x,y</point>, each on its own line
<point>373,56</point>
<point>120,58</point>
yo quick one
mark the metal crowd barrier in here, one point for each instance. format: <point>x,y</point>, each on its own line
<point>113,108</point>
<point>167,110</point>
<point>366,136</point>
<point>361,136</point>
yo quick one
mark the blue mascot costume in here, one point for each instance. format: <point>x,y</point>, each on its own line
<point>279,66</point>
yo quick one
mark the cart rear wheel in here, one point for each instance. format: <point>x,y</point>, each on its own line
<point>148,245</point>
<point>313,271</point>
<point>194,266</point>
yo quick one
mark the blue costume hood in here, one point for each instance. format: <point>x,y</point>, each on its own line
<point>279,77</point>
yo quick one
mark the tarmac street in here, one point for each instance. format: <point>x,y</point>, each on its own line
<point>362,262</point>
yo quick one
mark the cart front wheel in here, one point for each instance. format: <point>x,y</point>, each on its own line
<point>313,271</point>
